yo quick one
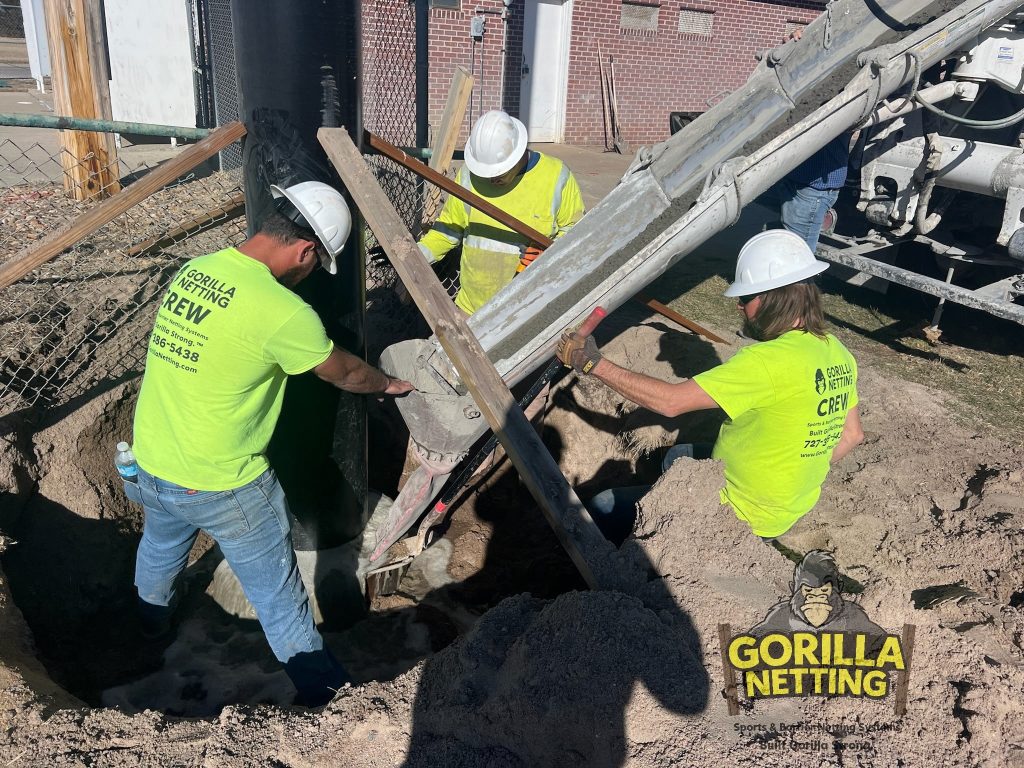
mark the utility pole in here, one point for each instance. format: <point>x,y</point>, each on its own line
<point>80,89</point>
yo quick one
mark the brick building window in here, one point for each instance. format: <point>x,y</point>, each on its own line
<point>638,19</point>
<point>696,23</point>
<point>792,25</point>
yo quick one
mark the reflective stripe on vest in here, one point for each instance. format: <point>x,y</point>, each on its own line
<point>556,197</point>
<point>488,244</point>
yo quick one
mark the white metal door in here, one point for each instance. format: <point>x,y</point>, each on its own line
<point>544,67</point>
<point>150,61</point>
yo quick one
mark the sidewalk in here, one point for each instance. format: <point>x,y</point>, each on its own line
<point>14,50</point>
<point>596,171</point>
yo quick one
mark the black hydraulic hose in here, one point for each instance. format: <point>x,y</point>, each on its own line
<point>984,125</point>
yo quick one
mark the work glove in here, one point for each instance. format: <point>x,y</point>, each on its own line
<point>529,254</point>
<point>579,352</point>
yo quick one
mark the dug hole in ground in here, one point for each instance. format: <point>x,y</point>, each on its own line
<point>926,515</point>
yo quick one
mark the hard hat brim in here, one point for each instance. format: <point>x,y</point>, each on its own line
<point>750,289</point>
<point>327,260</point>
<point>490,170</point>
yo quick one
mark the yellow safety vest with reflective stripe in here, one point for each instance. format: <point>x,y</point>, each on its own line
<point>546,197</point>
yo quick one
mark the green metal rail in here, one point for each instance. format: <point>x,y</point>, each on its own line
<point>103,126</point>
<point>140,129</point>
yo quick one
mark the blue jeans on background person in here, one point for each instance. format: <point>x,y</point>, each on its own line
<point>614,510</point>
<point>250,524</point>
<point>802,207</point>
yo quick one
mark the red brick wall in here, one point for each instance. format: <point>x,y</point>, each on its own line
<point>655,73</point>
<point>666,71</point>
<point>451,46</point>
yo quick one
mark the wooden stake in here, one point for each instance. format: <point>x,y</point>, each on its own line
<point>89,159</point>
<point>448,135</point>
<point>903,676</point>
<point>593,555</point>
<point>454,188</point>
<point>103,213</point>
<point>620,145</point>
<point>675,317</point>
<point>724,636</point>
<point>605,101</point>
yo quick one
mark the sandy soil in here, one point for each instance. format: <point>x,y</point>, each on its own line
<point>601,678</point>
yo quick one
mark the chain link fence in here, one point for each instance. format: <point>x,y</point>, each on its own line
<point>80,321</point>
<point>11,22</point>
<point>389,110</point>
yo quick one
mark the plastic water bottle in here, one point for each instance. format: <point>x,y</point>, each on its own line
<point>125,462</point>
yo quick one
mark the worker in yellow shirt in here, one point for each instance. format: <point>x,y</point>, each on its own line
<point>790,398</point>
<point>536,189</point>
<point>227,335</point>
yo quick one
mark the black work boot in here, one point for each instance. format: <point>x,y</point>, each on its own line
<point>154,620</point>
<point>317,677</point>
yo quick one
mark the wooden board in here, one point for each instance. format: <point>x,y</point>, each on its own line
<point>454,188</point>
<point>448,135</point>
<point>104,212</point>
<point>903,676</point>
<point>731,696</point>
<point>592,554</point>
<point>89,160</point>
<point>675,317</point>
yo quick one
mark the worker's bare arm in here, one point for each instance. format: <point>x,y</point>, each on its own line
<point>654,394</point>
<point>853,435</point>
<point>348,372</point>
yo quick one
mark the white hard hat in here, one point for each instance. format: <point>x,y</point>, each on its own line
<point>773,259</point>
<point>496,144</point>
<point>319,207</point>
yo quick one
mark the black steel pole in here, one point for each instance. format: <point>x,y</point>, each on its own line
<point>422,71</point>
<point>298,66</point>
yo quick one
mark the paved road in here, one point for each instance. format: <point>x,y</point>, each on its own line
<point>595,170</point>
<point>13,51</point>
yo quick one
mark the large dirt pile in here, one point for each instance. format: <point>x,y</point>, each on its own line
<point>606,679</point>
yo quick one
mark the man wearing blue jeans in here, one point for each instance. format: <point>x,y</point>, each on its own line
<point>614,510</point>
<point>227,335</point>
<point>806,193</point>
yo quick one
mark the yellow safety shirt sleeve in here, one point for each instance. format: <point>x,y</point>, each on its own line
<point>447,231</point>
<point>300,344</point>
<point>571,209</point>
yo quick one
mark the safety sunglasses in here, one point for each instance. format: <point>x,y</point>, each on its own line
<point>744,300</point>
